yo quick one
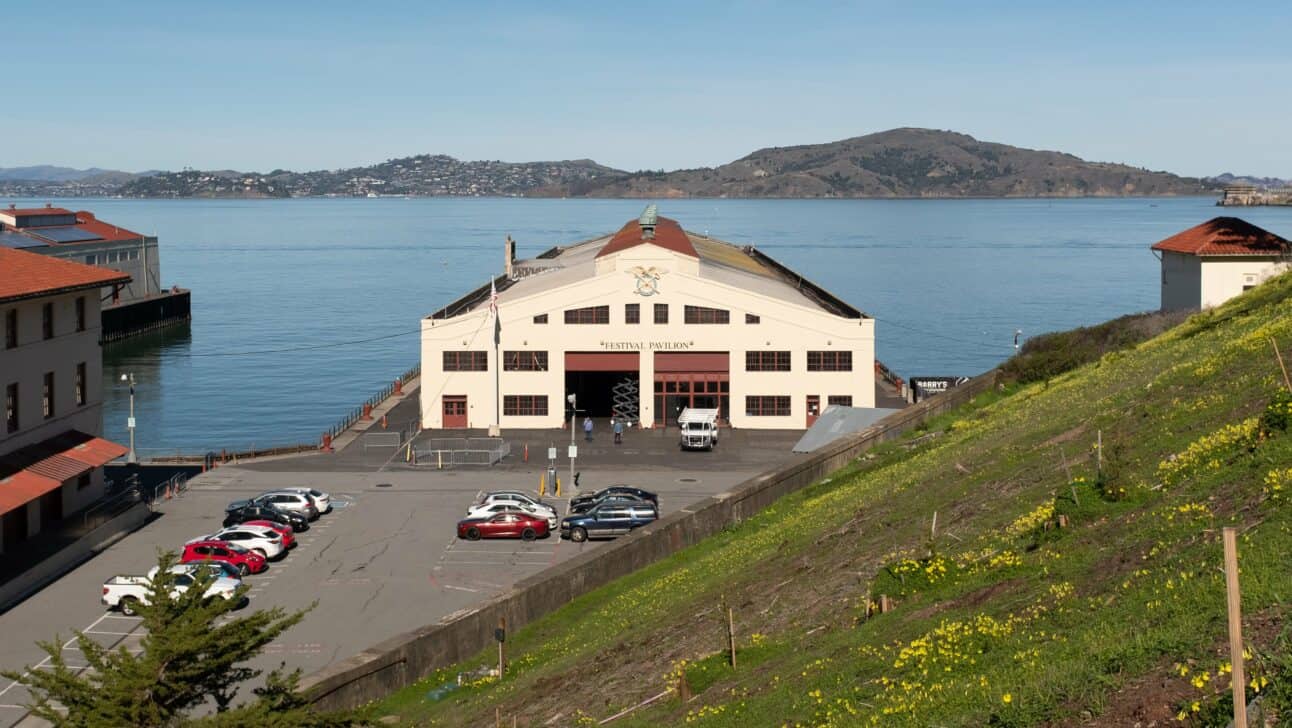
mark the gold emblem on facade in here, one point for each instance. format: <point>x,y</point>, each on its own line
<point>647,279</point>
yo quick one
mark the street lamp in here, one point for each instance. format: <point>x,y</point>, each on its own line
<point>572,399</point>
<point>132,459</point>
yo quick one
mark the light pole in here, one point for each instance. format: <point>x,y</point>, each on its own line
<point>572,399</point>
<point>132,459</point>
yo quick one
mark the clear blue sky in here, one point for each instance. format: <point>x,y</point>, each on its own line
<point>1195,88</point>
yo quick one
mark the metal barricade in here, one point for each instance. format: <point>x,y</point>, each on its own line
<point>450,452</point>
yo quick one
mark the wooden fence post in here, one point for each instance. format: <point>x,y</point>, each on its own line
<point>731,634</point>
<point>1286,382</point>
<point>1239,682</point>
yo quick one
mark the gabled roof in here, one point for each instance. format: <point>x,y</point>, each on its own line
<point>90,228</point>
<point>25,211</point>
<point>30,472</point>
<point>31,275</point>
<point>668,235</point>
<point>1225,236</point>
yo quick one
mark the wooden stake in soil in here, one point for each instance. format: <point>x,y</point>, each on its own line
<point>1239,682</point>
<point>933,533</point>
<point>683,688</point>
<point>1099,452</point>
<point>502,646</point>
<point>731,634</point>
<point>1286,383</point>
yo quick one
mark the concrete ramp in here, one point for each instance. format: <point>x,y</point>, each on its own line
<point>838,421</point>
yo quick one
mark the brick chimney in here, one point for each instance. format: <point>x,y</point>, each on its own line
<point>509,257</point>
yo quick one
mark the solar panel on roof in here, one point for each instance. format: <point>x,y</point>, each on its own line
<point>18,240</point>
<point>65,234</point>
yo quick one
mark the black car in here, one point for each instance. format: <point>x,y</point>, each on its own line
<point>618,499</point>
<point>608,520</point>
<point>241,511</point>
<point>646,495</point>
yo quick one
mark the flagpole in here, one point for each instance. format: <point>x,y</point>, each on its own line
<point>496,430</point>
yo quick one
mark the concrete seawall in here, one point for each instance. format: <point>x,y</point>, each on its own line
<point>403,659</point>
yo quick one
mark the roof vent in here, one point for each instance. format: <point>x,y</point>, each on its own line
<point>647,221</point>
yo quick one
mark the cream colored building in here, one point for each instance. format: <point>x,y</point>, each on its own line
<point>51,376</point>
<point>1211,263</point>
<point>640,324</point>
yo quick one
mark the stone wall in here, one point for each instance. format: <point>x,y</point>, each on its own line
<point>401,660</point>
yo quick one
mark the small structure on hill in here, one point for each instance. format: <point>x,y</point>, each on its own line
<point>1211,263</point>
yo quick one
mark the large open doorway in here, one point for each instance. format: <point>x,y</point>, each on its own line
<point>605,384</point>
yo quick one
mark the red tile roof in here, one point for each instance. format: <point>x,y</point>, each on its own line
<point>30,275</point>
<point>20,211</point>
<point>87,221</point>
<point>30,472</point>
<point>1225,236</point>
<point>668,235</point>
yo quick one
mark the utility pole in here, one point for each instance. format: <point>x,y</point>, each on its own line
<point>574,449</point>
<point>132,458</point>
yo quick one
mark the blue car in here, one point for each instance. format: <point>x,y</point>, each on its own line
<point>607,521</point>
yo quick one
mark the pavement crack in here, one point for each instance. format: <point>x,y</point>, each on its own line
<point>385,547</point>
<point>323,550</point>
<point>373,597</point>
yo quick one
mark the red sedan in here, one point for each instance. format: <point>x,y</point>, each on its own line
<point>246,562</point>
<point>289,538</point>
<point>511,524</point>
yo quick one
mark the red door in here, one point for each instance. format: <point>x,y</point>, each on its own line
<point>455,412</point>
<point>813,408</point>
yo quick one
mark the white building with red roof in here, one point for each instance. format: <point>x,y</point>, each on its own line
<point>51,455</point>
<point>640,324</point>
<point>1211,263</point>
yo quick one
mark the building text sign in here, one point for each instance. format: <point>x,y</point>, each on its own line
<point>647,345</point>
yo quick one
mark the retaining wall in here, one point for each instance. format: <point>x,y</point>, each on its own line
<point>401,660</point>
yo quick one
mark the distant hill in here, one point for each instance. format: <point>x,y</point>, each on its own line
<point>1222,180</point>
<point>905,163</point>
<point>50,173</point>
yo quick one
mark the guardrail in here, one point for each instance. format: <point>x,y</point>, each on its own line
<point>385,393</point>
<point>447,452</point>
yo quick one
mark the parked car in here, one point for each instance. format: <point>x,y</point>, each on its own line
<point>322,501</point>
<point>484,511</point>
<point>290,501</point>
<point>509,524</point>
<point>241,511</point>
<point>614,519</point>
<point>284,532</point>
<point>646,495</point>
<point>264,541</point>
<point>216,568</point>
<point>624,499</point>
<point>128,592</point>
<point>246,562</point>
<point>515,497</point>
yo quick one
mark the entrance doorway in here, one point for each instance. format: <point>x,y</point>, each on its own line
<point>604,383</point>
<point>813,408</point>
<point>51,507</point>
<point>455,411</point>
<point>691,379</point>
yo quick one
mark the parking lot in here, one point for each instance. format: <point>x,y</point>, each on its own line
<point>386,560</point>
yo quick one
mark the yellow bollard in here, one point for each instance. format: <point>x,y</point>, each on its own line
<point>556,492</point>
<point>408,453</point>
<point>542,485</point>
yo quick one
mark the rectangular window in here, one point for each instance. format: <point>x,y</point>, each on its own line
<point>47,321</point>
<point>466,361</point>
<point>588,315</point>
<point>843,400</point>
<point>632,313</point>
<point>89,260</point>
<point>83,482</point>
<point>540,319</point>
<point>524,361</point>
<point>11,329</point>
<point>11,408</point>
<point>702,315</point>
<point>80,384</point>
<point>80,313</point>
<point>47,396</point>
<point>661,313</point>
<point>829,361</point>
<point>524,405</point>
<point>134,255</point>
<point>767,361</point>
<point>752,319</point>
<point>765,406</point>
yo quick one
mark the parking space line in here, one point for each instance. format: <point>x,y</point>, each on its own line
<point>461,588</point>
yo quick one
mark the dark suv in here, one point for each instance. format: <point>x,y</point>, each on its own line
<point>241,511</point>
<point>579,501</point>
<point>608,520</point>
<point>608,499</point>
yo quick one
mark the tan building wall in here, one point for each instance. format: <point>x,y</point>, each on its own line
<point>785,325</point>
<point>1224,278</point>
<point>1181,281</point>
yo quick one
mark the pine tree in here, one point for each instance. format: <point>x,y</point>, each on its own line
<point>193,657</point>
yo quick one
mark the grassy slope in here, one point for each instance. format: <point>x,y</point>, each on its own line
<point>1009,624</point>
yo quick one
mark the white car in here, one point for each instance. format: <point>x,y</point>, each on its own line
<point>289,500</point>
<point>322,501</point>
<point>264,541</point>
<point>127,592</point>
<point>488,509</point>
<point>516,498</point>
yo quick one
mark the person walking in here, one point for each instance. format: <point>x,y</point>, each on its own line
<point>587,428</point>
<point>618,427</point>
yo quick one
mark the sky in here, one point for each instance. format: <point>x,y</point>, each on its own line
<point>1189,87</point>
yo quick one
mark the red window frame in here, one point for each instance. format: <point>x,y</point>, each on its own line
<point>588,315</point>
<point>767,405</point>
<point>767,361</point>
<point>524,405</point>
<point>704,315</point>
<point>466,361</point>
<point>829,361</point>
<point>524,361</point>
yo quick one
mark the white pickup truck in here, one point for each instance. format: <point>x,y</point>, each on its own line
<point>699,428</point>
<point>126,592</point>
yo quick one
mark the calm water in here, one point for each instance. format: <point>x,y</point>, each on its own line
<point>949,282</point>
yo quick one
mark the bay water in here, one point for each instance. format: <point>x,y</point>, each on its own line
<point>303,308</point>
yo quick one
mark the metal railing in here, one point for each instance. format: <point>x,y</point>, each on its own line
<point>173,487</point>
<point>385,393</point>
<point>448,452</point>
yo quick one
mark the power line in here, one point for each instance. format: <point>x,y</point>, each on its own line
<point>312,347</point>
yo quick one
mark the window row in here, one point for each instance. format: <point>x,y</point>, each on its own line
<point>512,361</point>
<point>524,405</point>
<point>633,315</point>
<point>817,361</point>
<point>112,257</point>
<point>779,406</point>
<point>46,322</point>
<point>12,416</point>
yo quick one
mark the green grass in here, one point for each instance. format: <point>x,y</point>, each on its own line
<point>1018,622</point>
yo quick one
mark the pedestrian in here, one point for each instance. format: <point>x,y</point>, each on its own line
<point>587,428</point>
<point>618,427</point>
